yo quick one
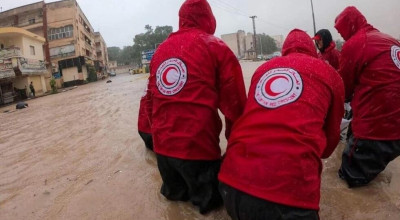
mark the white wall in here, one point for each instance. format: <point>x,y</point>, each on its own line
<point>70,74</point>
<point>27,42</point>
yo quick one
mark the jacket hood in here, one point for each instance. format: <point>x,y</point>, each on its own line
<point>298,41</point>
<point>326,38</point>
<point>349,22</point>
<point>197,14</point>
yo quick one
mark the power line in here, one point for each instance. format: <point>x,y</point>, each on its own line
<point>227,8</point>
<point>233,10</point>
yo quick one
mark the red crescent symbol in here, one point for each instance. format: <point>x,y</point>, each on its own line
<point>268,85</point>
<point>398,55</point>
<point>164,76</point>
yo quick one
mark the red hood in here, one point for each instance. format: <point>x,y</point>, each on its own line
<point>298,41</point>
<point>349,22</point>
<point>197,14</point>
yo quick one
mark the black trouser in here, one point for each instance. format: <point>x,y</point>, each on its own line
<point>241,206</point>
<point>194,180</point>
<point>148,140</point>
<point>363,160</point>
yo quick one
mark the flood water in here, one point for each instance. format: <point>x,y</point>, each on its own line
<point>77,155</point>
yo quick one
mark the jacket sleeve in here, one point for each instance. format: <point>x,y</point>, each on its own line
<point>148,98</point>
<point>334,116</point>
<point>351,64</point>
<point>230,84</point>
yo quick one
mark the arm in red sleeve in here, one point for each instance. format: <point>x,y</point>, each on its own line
<point>351,65</point>
<point>149,96</point>
<point>231,88</point>
<point>334,116</point>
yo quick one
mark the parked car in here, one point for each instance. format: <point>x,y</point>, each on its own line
<point>112,73</point>
<point>277,54</point>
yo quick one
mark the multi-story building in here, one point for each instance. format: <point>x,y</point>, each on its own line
<point>21,63</point>
<point>101,64</point>
<point>241,44</point>
<point>112,66</point>
<point>70,40</point>
<point>278,41</point>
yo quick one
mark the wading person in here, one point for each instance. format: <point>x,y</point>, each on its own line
<point>272,167</point>
<point>144,128</point>
<point>370,68</point>
<point>192,75</point>
<point>327,48</point>
<point>32,89</point>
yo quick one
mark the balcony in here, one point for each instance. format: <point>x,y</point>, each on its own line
<point>10,53</point>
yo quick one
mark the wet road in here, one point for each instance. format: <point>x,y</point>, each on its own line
<point>77,155</point>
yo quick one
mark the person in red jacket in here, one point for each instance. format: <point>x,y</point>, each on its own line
<point>370,68</point>
<point>192,75</point>
<point>327,48</point>
<point>272,167</point>
<point>144,127</point>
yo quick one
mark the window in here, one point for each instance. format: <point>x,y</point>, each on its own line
<point>31,21</point>
<point>32,49</point>
<point>60,33</point>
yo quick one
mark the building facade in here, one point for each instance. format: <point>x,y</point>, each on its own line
<point>101,65</point>
<point>70,47</point>
<point>21,63</point>
<point>241,44</point>
<point>278,41</point>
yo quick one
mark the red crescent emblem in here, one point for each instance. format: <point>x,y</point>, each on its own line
<point>268,85</point>
<point>164,76</point>
<point>398,55</point>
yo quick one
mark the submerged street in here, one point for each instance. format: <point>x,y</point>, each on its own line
<point>77,155</point>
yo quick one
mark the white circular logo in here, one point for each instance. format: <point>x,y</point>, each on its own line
<point>171,76</point>
<point>278,87</point>
<point>396,55</point>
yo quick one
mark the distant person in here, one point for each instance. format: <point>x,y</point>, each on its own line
<point>370,68</point>
<point>192,75</point>
<point>32,89</point>
<point>272,167</point>
<point>144,128</point>
<point>327,48</point>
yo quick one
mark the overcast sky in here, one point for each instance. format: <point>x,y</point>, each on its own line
<point>120,20</point>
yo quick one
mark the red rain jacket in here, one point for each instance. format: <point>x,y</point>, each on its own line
<point>291,121</point>
<point>370,68</point>
<point>192,75</point>
<point>143,119</point>
<point>331,55</point>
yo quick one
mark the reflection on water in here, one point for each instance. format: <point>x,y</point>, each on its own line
<point>77,155</point>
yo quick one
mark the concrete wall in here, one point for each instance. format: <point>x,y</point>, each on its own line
<point>12,41</point>
<point>70,74</point>
<point>21,82</point>
<point>27,42</point>
<point>38,84</point>
<point>232,41</point>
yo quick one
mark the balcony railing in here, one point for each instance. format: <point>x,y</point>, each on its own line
<point>10,52</point>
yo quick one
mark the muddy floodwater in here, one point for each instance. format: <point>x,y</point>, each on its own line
<point>77,155</point>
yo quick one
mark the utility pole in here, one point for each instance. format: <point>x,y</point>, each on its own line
<point>261,48</point>
<point>313,18</point>
<point>254,36</point>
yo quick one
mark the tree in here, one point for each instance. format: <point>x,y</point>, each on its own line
<point>267,43</point>
<point>149,40</point>
<point>142,42</point>
<point>126,55</point>
<point>113,53</point>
